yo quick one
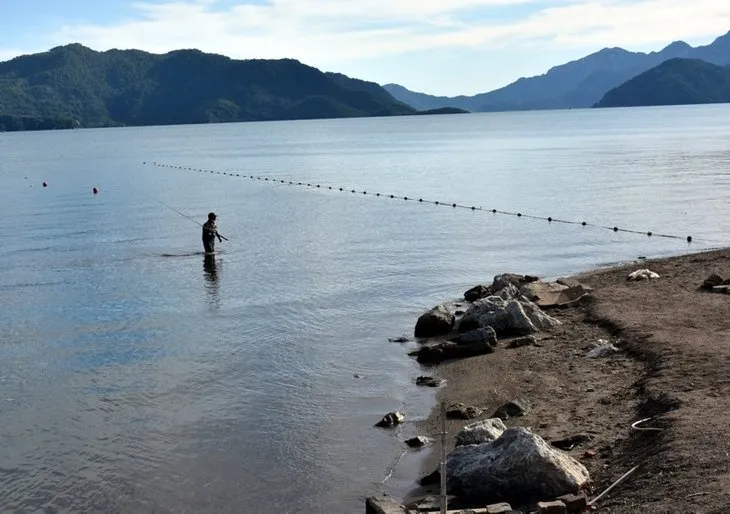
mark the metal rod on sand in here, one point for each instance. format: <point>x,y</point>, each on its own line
<point>443,458</point>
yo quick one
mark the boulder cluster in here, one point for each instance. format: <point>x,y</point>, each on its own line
<point>511,307</point>
<point>491,462</point>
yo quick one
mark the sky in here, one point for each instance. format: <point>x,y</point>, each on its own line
<point>443,47</point>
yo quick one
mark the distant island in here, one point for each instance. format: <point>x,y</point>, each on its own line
<point>674,82</point>
<point>73,86</point>
<point>574,85</point>
<point>444,110</point>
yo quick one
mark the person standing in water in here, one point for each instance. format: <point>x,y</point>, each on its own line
<point>210,232</point>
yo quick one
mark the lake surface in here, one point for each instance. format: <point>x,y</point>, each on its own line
<point>136,377</point>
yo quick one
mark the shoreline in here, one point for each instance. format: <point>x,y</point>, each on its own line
<point>672,337</point>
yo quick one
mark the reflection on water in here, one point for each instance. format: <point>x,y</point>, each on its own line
<point>212,278</point>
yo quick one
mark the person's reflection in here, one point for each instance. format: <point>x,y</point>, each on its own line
<point>212,277</point>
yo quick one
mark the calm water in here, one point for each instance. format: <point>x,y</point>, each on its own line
<point>136,378</point>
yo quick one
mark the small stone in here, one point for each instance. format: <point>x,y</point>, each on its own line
<point>461,411</point>
<point>429,503</point>
<point>513,409</point>
<point>398,339</point>
<point>391,419</point>
<point>418,442</point>
<point>642,274</point>
<point>574,503</point>
<point>603,350</point>
<point>522,341</point>
<point>589,454</point>
<point>499,508</point>
<point>384,504</point>
<point>429,381</point>
<point>554,507</point>
<point>712,281</point>
<point>570,442</point>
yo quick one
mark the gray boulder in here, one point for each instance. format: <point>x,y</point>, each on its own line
<point>518,322</point>
<point>538,318</point>
<point>485,335</point>
<point>477,292</point>
<point>481,432</point>
<point>487,312</point>
<point>436,322</point>
<point>519,464</point>
<point>505,279</point>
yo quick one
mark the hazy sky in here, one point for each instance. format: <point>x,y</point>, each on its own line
<point>444,47</point>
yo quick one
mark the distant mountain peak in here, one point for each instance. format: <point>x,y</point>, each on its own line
<point>677,45</point>
<point>725,38</point>
<point>613,50</point>
<point>71,46</point>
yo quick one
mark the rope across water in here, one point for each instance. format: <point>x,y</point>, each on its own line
<point>453,205</point>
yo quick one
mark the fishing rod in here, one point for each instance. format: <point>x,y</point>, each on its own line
<point>185,216</point>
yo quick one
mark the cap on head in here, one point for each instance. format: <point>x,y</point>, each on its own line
<point>211,216</point>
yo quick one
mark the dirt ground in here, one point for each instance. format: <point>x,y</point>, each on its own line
<point>674,366</point>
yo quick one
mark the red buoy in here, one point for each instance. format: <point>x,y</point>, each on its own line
<point>95,190</point>
<point>45,184</point>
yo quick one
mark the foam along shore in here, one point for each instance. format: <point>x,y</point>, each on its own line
<point>621,369</point>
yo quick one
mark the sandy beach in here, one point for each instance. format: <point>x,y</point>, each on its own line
<point>673,367</point>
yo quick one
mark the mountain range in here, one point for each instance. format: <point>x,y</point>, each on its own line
<point>577,84</point>
<point>75,86</point>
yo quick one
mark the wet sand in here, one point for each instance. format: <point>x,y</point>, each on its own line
<point>673,366</point>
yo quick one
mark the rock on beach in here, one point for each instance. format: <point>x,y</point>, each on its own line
<point>518,464</point>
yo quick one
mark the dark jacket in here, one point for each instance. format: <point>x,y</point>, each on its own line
<point>210,231</point>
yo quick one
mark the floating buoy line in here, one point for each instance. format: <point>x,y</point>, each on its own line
<point>453,205</point>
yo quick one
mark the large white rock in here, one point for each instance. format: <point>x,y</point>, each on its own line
<point>507,316</point>
<point>537,316</point>
<point>519,464</point>
<point>481,432</point>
